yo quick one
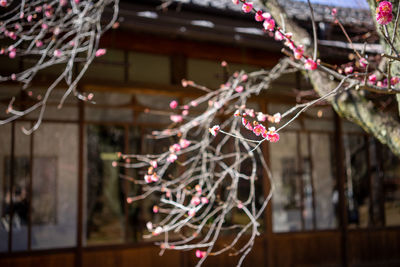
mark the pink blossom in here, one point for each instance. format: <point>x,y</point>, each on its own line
<point>348,70</point>
<point>384,7</point>
<point>272,135</point>
<point>154,177</point>
<point>259,16</point>
<point>277,117</point>
<point>240,205</point>
<point>269,24</point>
<point>249,126</point>
<point>171,158</point>
<point>198,188</point>
<point>29,18</point>
<point>193,103</point>
<point>158,230</point>
<point>176,118</point>
<point>173,104</point>
<point>44,26</point>
<point>237,113</point>
<point>258,130</point>
<point>155,209</point>
<point>184,143</point>
<point>333,11</point>
<point>298,52</point>
<point>153,163</point>
<point>39,43</point>
<point>394,80</point>
<point>250,112</point>
<point>149,226</point>
<point>147,178</point>
<point>185,107</point>
<point>192,212</point>
<point>239,89</point>
<point>175,148</point>
<point>224,64</point>
<point>12,53</point>
<point>310,64</point>
<point>3,3</point>
<point>13,77</point>
<point>278,36</point>
<point>236,2</point>
<point>204,200</point>
<point>363,62</point>
<point>200,254</point>
<point>372,78</point>
<point>244,77</point>
<point>261,117</point>
<point>185,113</point>
<point>101,52</point>
<point>247,7</point>
<point>384,18</point>
<point>214,130</point>
<point>57,53</point>
<point>195,201</point>
<point>244,121</point>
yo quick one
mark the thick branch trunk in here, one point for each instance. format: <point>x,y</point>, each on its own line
<point>350,105</point>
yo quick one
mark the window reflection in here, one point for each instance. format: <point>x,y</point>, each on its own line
<point>105,198</point>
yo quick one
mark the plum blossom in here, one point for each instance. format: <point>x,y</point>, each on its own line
<point>175,148</point>
<point>158,230</point>
<point>195,201</point>
<point>3,3</point>
<point>192,212</point>
<point>372,79</point>
<point>57,53</point>
<point>310,64</point>
<point>172,157</point>
<point>348,70</point>
<point>394,80</point>
<point>269,24</point>
<point>101,52</point>
<point>278,36</point>
<point>298,52</point>
<point>147,178</point>
<point>261,116</point>
<point>272,135</point>
<point>247,7</point>
<point>384,13</point>
<point>153,163</point>
<point>155,209</point>
<point>259,129</point>
<point>184,143</point>
<point>239,89</point>
<point>204,200</point>
<point>237,113</point>
<point>363,62</point>
<point>214,130</point>
<point>200,254</point>
<point>173,104</point>
<point>176,118</point>
<point>259,16</point>
<point>236,2</point>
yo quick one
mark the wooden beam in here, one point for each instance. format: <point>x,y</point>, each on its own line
<point>142,42</point>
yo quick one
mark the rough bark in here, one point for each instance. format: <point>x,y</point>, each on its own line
<point>351,105</point>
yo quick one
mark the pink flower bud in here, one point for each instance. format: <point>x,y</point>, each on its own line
<point>100,52</point>
<point>173,104</point>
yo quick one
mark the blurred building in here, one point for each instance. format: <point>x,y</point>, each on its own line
<point>337,199</point>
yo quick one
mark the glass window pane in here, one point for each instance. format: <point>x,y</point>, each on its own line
<point>357,180</point>
<point>286,199</point>
<point>326,196</point>
<point>5,152</point>
<point>54,188</point>
<point>21,188</point>
<point>105,220</point>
